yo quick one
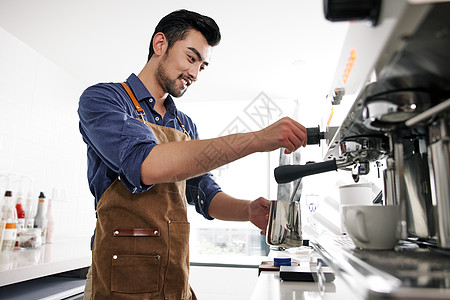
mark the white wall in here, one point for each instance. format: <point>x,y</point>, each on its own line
<point>39,135</point>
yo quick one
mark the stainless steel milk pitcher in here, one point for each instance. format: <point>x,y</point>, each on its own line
<point>285,224</point>
<point>284,228</point>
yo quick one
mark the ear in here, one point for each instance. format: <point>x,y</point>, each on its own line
<point>159,43</point>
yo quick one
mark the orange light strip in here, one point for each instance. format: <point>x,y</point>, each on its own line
<point>349,66</point>
<point>330,117</point>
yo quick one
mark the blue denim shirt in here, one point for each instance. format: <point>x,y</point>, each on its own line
<point>117,142</point>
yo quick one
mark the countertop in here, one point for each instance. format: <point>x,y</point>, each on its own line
<point>271,286</point>
<point>60,256</point>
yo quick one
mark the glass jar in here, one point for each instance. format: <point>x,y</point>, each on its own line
<point>30,238</point>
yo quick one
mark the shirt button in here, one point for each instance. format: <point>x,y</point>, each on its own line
<point>157,118</point>
<point>150,100</point>
<point>201,202</point>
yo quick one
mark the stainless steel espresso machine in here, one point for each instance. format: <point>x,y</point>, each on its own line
<point>396,62</point>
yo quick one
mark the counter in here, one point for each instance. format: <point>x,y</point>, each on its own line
<point>25,264</point>
<point>412,270</point>
<point>271,287</point>
<point>405,272</point>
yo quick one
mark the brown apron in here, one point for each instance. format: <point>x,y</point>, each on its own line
<point>141,244</point>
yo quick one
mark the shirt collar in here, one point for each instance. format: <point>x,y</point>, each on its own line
<point>141,93</point>
<point>170,105</point>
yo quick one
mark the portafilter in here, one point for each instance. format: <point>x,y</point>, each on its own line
<point>356,150</point>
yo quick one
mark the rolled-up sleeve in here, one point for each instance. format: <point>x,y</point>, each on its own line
<point>200,191</point>
<point>115,135</point>
<point>137,142</point>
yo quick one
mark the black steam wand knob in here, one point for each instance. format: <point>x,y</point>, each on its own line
<point>314,135</point>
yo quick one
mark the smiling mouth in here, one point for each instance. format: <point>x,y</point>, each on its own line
<point>185,82</point>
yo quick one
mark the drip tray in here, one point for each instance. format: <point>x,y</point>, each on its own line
<point>408,272</point>
<point>423,268</point>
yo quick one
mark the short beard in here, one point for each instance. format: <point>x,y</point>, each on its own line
<point>169,85</point>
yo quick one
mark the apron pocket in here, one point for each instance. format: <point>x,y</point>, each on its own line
<point>125,268</point>
<point>176,284</point>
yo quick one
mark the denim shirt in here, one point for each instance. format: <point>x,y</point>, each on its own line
<point>117,142</point>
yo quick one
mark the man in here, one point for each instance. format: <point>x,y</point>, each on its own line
<point>145,159</point>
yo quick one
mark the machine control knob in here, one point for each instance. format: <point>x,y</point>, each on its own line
<point>349,10</point>
<point>314,135</point>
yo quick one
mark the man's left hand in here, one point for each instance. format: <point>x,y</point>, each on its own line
<point>259,213</point>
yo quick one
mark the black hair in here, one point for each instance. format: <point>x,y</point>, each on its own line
<point>176,24</point>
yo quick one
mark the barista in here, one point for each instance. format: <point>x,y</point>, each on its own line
<point>145,159</point>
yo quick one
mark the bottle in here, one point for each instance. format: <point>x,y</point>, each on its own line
<point>20,215</point>
<point>2,230</point>
<point>29,215</point>
<point>50,222</point>
<point>40,221</point>
<point>2,223</point>
<point>9,217</point>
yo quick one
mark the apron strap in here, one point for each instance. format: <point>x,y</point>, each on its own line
<point>139,109</point>
<point>182,127</point>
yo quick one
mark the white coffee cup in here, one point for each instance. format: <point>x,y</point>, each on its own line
<point>354,194</point>
<point>358,193</point>
<point>374,227</point>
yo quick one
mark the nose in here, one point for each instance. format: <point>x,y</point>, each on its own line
<point>193,72</point>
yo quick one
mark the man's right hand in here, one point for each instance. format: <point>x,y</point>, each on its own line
<point>285,133</point>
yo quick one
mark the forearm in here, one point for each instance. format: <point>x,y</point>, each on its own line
<point>227,208</point>
<point>169,162</point>
<point>177,161</point>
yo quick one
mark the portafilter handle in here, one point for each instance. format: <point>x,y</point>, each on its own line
<point>288,173</point>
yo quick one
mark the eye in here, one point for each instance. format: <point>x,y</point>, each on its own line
<point>191,59</point>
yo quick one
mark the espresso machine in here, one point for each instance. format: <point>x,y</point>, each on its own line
<point>395,67</point>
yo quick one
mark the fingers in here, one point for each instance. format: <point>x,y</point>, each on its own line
<point>259,213</point>
<point>285,133</point>
<point>296,136</point>
<point>263,202</point>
